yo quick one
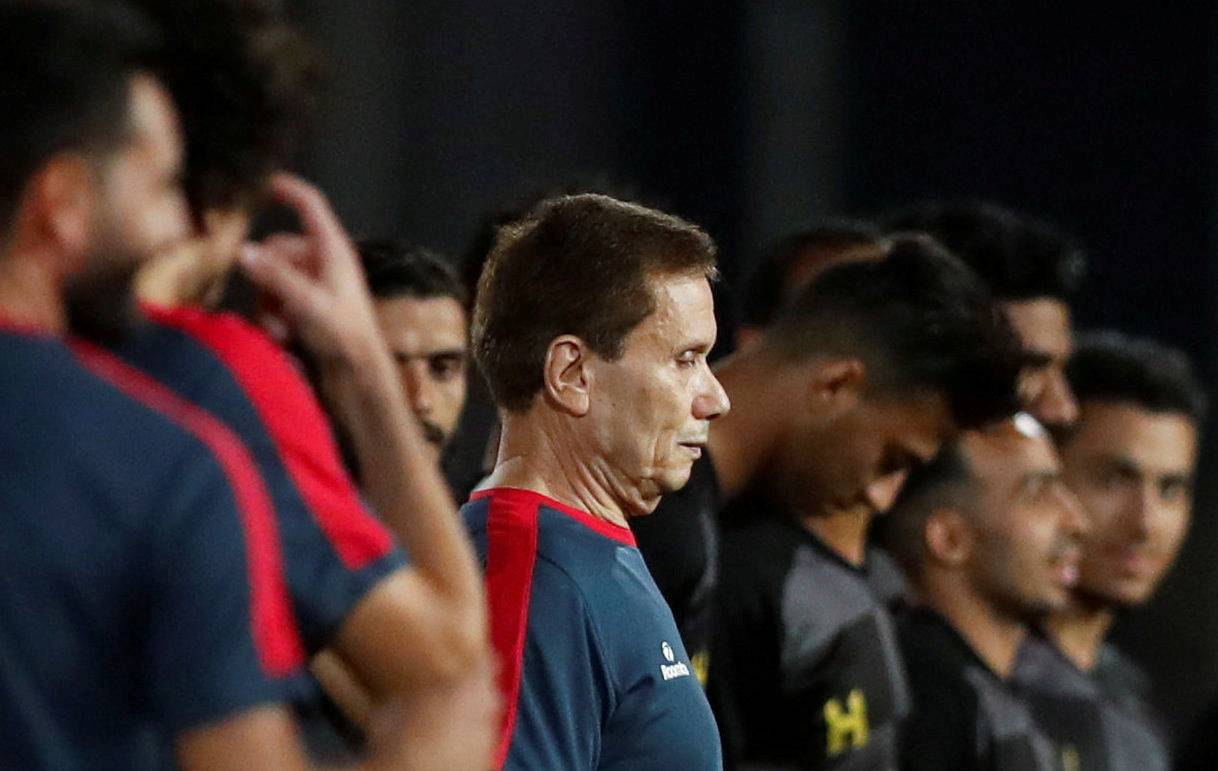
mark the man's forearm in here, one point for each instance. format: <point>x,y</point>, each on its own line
<point>400,476</point>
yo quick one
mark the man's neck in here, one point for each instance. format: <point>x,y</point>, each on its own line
<point>844,532</point>
<point>30,296</point>
<point>532,458</point>
<point>994,636</point>
<point>742,440</point>
<point>1080,629</point>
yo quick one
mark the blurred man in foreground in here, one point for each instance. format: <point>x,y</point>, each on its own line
<point>147,621</point>
<point>1131,461</point>
<point>593,322</point>
<point>989,535</point>
<point>241,75</point>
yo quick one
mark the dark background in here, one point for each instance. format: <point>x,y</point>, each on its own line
<point>754,118</point>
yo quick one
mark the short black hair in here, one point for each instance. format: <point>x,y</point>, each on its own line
<point>919,319</point>
<point>768,286</point>
<point>65,78</point>
<point>243,79</point>
<point>397,269</point>
<point>943,482</point>
<point>1113,367</point>
<point>1018,257</point>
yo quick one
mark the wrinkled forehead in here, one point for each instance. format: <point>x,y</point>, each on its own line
<point>684,306</point>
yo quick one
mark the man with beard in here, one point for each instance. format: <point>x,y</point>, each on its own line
<point>145,615</point>
<point>988,533</point>
<point>1131,461</point>
<point>593,322</point>
<point>241,74</point>
<point>1033,271</point>
<point>859,381</point>
<point>420,306</point>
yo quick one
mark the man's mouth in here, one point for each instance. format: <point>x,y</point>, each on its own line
<point>1064,563</point>
<point>695,446</point>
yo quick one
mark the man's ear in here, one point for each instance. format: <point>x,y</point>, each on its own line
<point>836,385</point>
<point>58,206</point>
<point>566,375</point>
<point>947,537</point>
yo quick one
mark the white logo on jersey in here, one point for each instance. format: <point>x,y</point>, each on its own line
<point>672,671</point>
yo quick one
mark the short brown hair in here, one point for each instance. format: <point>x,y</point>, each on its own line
<point>577,265</point>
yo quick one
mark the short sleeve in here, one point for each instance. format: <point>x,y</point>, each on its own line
<point>565,692</point>
<point>221,637</point>
<point>335,549</point>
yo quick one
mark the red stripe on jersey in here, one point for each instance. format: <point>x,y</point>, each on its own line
<point>511,553</point>
<point>604,527</point>
<point>297,425</point>
<point>276,635</point>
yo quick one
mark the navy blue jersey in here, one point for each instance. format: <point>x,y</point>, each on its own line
<point>141,590</point>
<point>592,668</point>
<point>1098,721</point>
<point>335,550</point>
<point>680,542</point>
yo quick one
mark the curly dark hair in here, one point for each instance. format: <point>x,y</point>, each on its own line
<point>242,78</point>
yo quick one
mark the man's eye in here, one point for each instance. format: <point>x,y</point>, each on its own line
<point>446,369</point>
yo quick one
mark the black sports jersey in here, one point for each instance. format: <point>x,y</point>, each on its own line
<point>805,669</point>
<point>1099,721</point>
<point>679,542</point>
<point>965,716</point>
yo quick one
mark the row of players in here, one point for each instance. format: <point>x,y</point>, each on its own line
<point>593,326</point>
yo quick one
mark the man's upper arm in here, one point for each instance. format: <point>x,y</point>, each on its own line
<point>264,738</point>
<point>335,549</point>
<point>221,634</point>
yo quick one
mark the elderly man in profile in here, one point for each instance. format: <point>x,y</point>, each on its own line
<point>593,322</point>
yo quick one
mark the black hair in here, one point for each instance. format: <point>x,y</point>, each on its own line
<point>1019,258</point>
<point>944,481</point>
<point>65,75</point>
<point>1110,366</point>
<point>243,79</point>
<point>396,269</point>
<point>769,286</point>
<point>920,321</point>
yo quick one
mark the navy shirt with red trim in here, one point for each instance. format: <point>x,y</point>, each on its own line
<point>335,550</point>
<point>592,668</point>
<point>141,592</point>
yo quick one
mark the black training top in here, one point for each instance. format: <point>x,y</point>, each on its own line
<point>1099,720</point>
<point>805,668</point>
<point>965,716</point>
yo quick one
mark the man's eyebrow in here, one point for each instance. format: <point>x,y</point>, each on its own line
<point>443,353</point>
